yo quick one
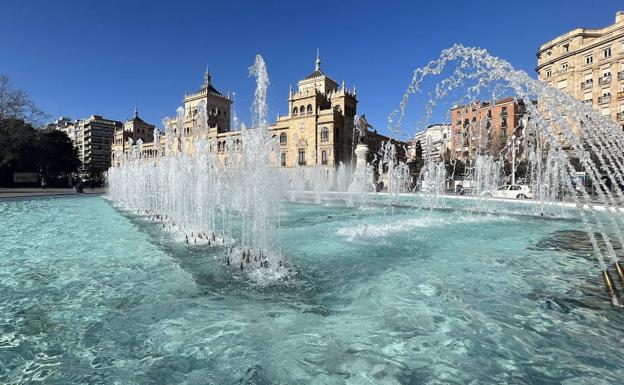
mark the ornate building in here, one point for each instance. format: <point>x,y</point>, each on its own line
<point>318,129</point>
<point>135,129</point>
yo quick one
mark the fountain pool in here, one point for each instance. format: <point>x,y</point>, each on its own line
<point>378,295</point>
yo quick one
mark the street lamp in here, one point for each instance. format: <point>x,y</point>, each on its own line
<point>514,147</point>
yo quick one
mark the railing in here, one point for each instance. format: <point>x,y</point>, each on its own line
<point>586,85</point>
<point>604,99</point>
<point>302,163</point>
<point>604,80</point>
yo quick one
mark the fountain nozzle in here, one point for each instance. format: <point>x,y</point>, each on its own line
<point>611,289</point>
<point>620,272</point>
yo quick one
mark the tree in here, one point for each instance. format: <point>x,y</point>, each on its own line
<point>56,153</point>
<point>16,104</point>
<point>416,163</point>
<point>24,149</point>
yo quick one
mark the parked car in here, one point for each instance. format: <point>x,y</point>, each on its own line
<point>516,191</point>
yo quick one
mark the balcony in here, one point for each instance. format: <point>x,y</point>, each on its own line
<point>604,80</point>
<point>604,99</point>
<point>302,163</point>
<point>586,85</point>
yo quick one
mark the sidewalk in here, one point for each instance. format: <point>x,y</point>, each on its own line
<point>19,192</point>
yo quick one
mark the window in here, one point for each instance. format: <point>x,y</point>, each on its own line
<point>606,53</point>
<point>302,156</point>
<point>548,73</point>
<point>562,85</point>
<point>309,109</point>
<point>283,159</point>
<point>589,59</point>
<point>295,111</point>
<point>302,110</point>
<point>566,48</point>
<point>283,138</point>
<point>324,134</point>
<point>564,66</point>
<point>323,157</point>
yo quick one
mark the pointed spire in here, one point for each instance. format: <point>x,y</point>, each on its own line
<point>290,90</point>
<point>354,92</point>
<point>136,112</point>
<point>343,86</point>
<point>207,77</point>
<point>318,59</point>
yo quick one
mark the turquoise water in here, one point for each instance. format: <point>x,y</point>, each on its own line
<point>90,295</point>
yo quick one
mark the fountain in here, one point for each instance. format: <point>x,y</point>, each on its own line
<point>206,265</point>
<point>233,200</point>
<point>228,202</point>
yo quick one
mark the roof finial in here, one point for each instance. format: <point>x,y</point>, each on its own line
<point>343,85</point>
<point>207,77</point>
<point>318,59</point>
<point>136,112</point>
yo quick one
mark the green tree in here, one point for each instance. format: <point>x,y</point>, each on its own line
<point>56,153</point>
<point>23,148</point>
<point>416,163</point>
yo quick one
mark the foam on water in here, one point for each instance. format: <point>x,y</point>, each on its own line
<point>408,225</point>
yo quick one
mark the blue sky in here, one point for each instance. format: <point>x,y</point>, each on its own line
<point>77,58</point>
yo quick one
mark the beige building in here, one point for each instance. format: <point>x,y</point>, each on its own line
<point>588,64</point>
<point>318,128</point>
<point>135,129</point>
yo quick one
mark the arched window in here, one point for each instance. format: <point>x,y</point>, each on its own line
<point>309,109</point>
<point>295,111</point>
<point>324,134</point>
<point>283,138</point>
<point>302,110</point>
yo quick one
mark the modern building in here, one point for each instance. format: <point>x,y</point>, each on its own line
<point>588,64</point>
<point>483,128</point>
<point>94,140</point>
<point>435,141</point>
<point>317,130</point>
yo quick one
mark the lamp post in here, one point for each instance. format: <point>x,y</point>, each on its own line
<point>512,143</point>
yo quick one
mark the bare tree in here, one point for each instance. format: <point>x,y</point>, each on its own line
<point>16,104</point>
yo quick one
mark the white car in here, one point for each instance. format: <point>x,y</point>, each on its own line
<point>516,191</point>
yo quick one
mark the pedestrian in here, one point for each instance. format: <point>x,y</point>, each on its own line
<point>43,183</point>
